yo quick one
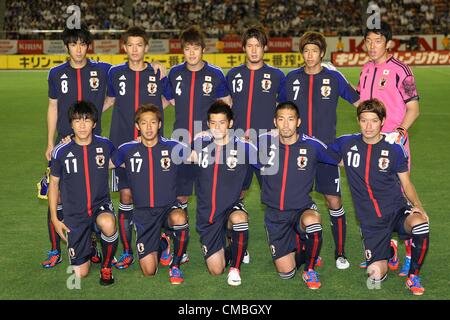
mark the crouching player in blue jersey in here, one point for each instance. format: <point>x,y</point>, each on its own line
<point>80,170</point>
<point>377,172</point>
<point>293,225</point>
<point>221,162</point>
<point>151,166</point>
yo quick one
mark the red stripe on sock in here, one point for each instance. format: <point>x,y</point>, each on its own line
<point>240,247</point>
<point>108,256</point>
<point>340,238</point>
<point>53,235</point>
<point>314,252</point>
<point>180,249</point>
<point>124,235</point>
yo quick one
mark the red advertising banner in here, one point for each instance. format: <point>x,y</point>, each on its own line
<point>280,45</point>
<point>30,46</point>
<point>175,46</point>
<point>232,45</point>
<point>412,58</point>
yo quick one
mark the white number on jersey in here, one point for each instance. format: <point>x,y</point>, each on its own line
<point>136,164</point>
<point>122,88</point>
<point>272,157</point>
<point>237,85</point>
<point>296,90</point>
<point>64,86</point>
<point>178,89</point>
<point>74,162</point>
<point>353,159</point>
<point>203,160</point>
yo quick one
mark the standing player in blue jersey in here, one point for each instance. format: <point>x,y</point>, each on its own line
<point>221,163</point>
<point>293,225</point>
<point>80,170</point>
<point>254,88</point>
<point>195,85</point>
<point>384,197</point>
<point>131,84</point>
<point>316,90</point>
<point>152,166</point>
<point>77,79</point>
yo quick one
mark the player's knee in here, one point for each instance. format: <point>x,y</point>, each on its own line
<point>126,196</point>
<point>107,224</point>
<point>149,271</point>
<point>183,199</point>
<point>177,217</point>
<point>415,220</point>
<point>310,217</point>
<point>238,217</point>
<point>216,270</point>
<point>378,270</point>
<point>334,202</point>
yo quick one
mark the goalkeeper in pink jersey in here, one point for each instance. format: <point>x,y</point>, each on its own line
<point>391,81</point>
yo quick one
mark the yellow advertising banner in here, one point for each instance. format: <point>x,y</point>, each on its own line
<point>223,60</point>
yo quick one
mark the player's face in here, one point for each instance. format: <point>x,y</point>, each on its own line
<point>219,124</point>
<point>148,125</point>
<point>287,122</point>
<point>193,54</point>
<point>254,50</point>
<point>135,48</point>
<point>370,125</point>
<point>312,55</point>
<point>376,46</point>
<point>82,128</point>
<point>78,51</point>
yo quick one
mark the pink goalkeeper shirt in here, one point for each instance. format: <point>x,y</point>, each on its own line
<point>393,83</point>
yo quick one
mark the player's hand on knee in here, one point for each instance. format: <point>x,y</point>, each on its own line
<point>61,229</point>
<point>156,65</point>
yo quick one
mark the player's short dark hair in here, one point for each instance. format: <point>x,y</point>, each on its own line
<point>83,110</point>
<point>192,35</point>
<point>256,32</point>
<point>135,32</point>
<point>384,30</point>
<point>373,105</point>
<point>220,107</point>
<point>289,105</point>
<point>148,107</point>
<point>313,37</point>
<point>73,35</point>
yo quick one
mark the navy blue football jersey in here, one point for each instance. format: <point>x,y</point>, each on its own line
<point>132,89</point>
<point>316,97</point>
<point>69,85</point>
<point>194,92</point>
<point>254,94</point>
<point>152,171</point>
<point>372,176</point>
<point>289,170</point>
<point>220,174</point>
<point>83,173</point>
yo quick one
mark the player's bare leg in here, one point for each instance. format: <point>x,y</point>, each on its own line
<point>82,271</point>
<point>54,255</point>
<point>339,228</point>
<point>126,228</point>
<point>178,221</point>
<point>216,263</point>
<point>377,272</point>
<point>149,264</point>
<point>106,222</point>
<point>311,223</point>
<point>286,266</point>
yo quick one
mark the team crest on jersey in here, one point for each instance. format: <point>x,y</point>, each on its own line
<point>165,163</point>
<point>368,254</point>
<point>272,249</point>
<point>232,162</point>
<point>383,163</point>
<point>100,160</point>
<point>302,162</point>
<point>383,82</point>
<point>207,88</point>
<point>99,150</point>
<point>326,81</point>
<point>140,248</point>
<point>152,88</point>
<point>94,83</point>
<point>266,85</point>
<point>325,91</point>
<point>385,72</point>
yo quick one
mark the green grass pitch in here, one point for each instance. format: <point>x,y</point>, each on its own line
<point>24,240</point>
